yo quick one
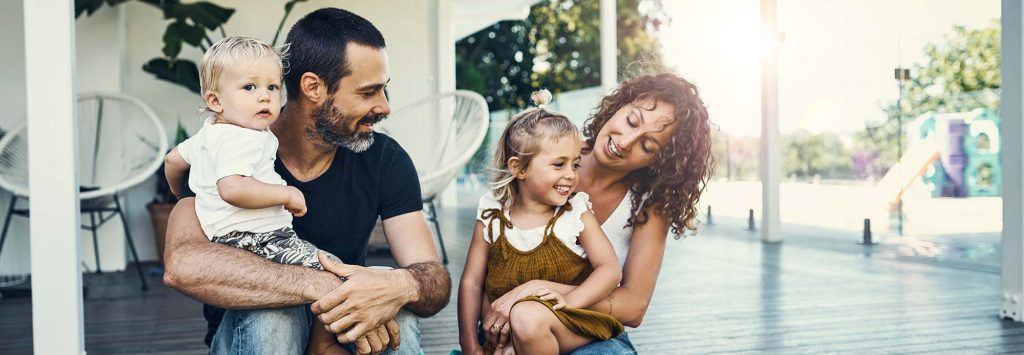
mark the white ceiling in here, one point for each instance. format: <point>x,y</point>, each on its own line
<point>472,15</point>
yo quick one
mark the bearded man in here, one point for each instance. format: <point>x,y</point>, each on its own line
<point>350,176</point>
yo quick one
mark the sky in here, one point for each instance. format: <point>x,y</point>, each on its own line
<point>835,63</point>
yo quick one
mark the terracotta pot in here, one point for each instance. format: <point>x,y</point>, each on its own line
<point>159,212</point>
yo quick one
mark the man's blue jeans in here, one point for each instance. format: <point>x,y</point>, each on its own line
<point>619,345</point>
<point>286,331</point>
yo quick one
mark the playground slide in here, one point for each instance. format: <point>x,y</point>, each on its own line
<point>912,164</point>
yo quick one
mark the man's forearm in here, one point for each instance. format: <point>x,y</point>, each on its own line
<point>230,277</point>
<point>434,287</point>
<point>237,279</point>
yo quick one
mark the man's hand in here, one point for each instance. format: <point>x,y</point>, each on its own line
<point>365,301</point>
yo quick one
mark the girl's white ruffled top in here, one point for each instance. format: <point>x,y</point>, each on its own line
<point>567,228</point>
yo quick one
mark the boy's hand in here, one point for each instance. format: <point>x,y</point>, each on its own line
<point>296,202</point>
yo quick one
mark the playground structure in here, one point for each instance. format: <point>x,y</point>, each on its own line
<point>949,157</point>
<point>951,154</point>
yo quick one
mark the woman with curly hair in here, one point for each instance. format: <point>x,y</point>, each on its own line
<point>647,159</point>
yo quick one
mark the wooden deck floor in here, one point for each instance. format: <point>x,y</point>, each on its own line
<point>720,292</point>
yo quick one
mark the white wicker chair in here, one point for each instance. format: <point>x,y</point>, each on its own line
<point>121,143</point>
<point>459,119</point>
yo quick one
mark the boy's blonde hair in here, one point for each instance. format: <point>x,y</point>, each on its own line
<point>234,51</point>
<point>522,137</point>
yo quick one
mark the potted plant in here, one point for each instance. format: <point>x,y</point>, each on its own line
<point>160,208</point>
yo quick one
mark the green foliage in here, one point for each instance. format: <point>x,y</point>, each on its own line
<point>960,74</point>
<point>808,155</point>
<point>556,47</point>
<point>287,11</point>
<point>181,72</point>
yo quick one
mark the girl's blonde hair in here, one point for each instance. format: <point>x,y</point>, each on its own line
<point>522,137</point>
<point>233,51</point>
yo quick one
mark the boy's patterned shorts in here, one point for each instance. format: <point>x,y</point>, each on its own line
<point>281,246</point>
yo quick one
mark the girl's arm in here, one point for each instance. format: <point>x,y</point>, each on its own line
<point>471,290</point>
<point>606,274</point>
<point>175,168</point>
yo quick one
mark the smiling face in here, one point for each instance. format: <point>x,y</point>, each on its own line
<point>346,118</point>
<point>634,134</point>
<point>248,95</point>
<point>550,176</point>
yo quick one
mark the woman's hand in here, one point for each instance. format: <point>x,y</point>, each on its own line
<point>496,314</point>
<point>495,321</point>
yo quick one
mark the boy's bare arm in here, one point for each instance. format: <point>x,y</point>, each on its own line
<point>175,168</point>
<point>247,192</point>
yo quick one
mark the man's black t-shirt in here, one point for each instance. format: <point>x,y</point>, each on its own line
<point>343,204</point>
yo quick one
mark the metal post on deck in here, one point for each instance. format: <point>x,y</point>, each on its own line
<point>57,326</point>
<point>771,156</point>
<point>866,239</point>
<point>750,221</point>
<point>710,220</point>
<point>1012,112</point>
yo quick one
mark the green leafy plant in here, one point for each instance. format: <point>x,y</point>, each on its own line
<point>193,24</point>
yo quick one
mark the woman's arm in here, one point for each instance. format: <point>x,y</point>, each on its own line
<point>628,303</point>
<point>471,290</point>
<point>606,274</point>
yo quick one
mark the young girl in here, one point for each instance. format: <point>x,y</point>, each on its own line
<point>532,227</point>
<point>240,200</point>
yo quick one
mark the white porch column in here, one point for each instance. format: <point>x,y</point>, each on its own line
<point>609,46</point>
<point>445,45</point>
<point>771,157</point>
<point>53,181</point>
<point>1012,112</point>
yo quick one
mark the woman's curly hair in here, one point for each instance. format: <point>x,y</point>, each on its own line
<point>680,170</point>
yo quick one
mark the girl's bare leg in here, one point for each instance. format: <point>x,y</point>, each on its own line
<point>535,330</point>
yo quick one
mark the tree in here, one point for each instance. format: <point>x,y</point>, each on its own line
<point>822,154</point>
<point>556,47</point>
<point>961,74</point>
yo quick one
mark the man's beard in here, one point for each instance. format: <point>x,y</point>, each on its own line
<point>332,128</point>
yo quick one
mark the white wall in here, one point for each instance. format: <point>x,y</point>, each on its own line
<point>109,64</point>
